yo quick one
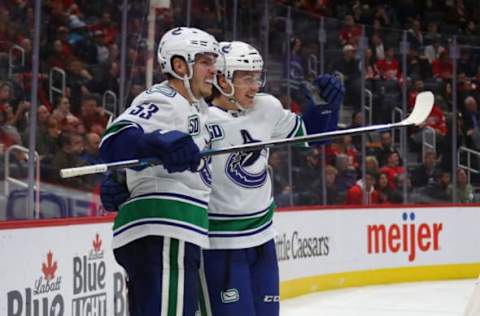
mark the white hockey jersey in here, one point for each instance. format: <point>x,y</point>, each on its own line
<point>162,203</point>
<point>241,205</point>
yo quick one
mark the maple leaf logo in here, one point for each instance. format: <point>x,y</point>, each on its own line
<point>49,268</point>
<point>97,243</point>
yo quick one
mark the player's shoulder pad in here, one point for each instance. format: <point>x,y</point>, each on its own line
<point>162,89</point>
<point>160,94</point>
<point>267,101</point>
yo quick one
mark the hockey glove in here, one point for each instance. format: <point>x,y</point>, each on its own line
<point>323,104</point>
<point>114,191</point>
<point>176,150</point>
<point>331,90</point>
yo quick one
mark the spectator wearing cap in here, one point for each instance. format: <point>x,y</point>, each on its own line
<point>349,67</point>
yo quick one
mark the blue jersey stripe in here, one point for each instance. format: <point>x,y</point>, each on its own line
<point>218,235</point>
<point>238,215</point>
<point>159,222</point>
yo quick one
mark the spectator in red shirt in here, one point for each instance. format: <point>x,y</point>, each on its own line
<point>343,146</point>
<point>355,193</point>
<point>418,87</point>
<point>438,122</point>
<point>442,67</point>
<point>350,32</point>
<point>392,169</point>
<point>389,67</point>
<point>106,27</point>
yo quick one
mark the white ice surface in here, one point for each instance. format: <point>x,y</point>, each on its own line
<point>440,298</point>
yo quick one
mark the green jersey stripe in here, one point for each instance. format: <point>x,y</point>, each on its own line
<point>173,293</point>
<point>116,128</point>
<point>235,225</point>
<point>155,208</point>
<point>301,131</point>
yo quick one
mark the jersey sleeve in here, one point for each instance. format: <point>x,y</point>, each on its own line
<point>286,124</point>
<point>145,115</point>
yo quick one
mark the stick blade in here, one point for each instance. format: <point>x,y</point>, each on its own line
<point>421,110</point>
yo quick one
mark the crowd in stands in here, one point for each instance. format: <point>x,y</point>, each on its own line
<point>430,27</point>
<point>82,38</point>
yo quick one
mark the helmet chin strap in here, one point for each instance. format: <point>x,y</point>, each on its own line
<point>230,96</point>
<point>186,82</point>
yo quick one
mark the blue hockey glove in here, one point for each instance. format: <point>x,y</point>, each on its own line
<point>114,191</point>
<point>330,89</point>
<point>177,150</point>
<point>324,99</point>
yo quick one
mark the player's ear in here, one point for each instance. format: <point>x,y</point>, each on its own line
<point>223,82</point>
<point>179,66</point>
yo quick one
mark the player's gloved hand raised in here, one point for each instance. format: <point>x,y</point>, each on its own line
<point>324,99</point>
<point>330,89</point>
<point>113,191</point>
<point>177,150</point>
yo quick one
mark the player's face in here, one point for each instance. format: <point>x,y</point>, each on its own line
<point>247,84</point>
<point>203,73</point>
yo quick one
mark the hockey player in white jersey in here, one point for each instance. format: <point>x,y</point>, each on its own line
<point>240,268</point>
<point>159,231</point>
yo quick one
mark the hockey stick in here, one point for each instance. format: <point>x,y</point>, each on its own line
<point>423,107</point>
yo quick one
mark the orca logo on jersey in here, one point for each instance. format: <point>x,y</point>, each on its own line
<point>237,163</point>
<point>206,173</point>
<point>230,296</point>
